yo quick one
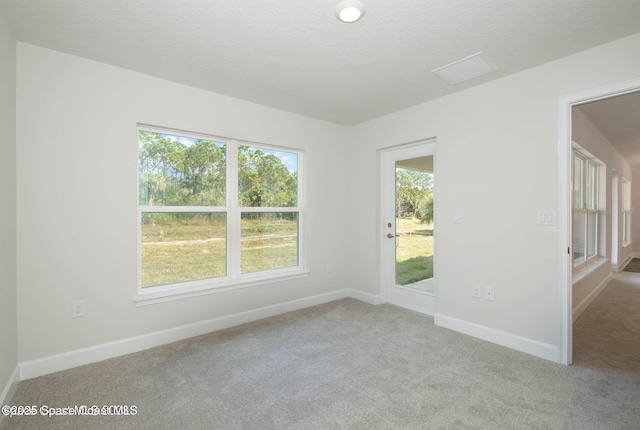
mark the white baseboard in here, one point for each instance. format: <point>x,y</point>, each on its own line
<point>522,344</point>
<point>584,304</point>
<point>9,389</point>
<point>79,357</point>
<point>365,297</point>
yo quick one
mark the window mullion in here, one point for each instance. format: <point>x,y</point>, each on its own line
<point>233,212</point>
<point>266,209</point>
<point>586,189</point>
<point>175,209</point>
<point>585,207</point>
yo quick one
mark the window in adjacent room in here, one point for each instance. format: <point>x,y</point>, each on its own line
<point>587,206</point>
<point>626,212</point>
<point>215,212</point>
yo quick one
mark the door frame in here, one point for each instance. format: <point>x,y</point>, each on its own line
<point>565,104</point>
<point>386,194</point>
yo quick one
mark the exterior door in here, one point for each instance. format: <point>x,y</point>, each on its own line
<point>408,230</point>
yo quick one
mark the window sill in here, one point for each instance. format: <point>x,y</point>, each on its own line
<point>590,266</point>
<point>165,293</point>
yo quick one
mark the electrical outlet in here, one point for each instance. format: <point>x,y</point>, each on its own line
<point>77,309</point>
<point>488,293</point>
<point>475,291</point>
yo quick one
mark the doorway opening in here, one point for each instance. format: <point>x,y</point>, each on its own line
<point>565,205</point>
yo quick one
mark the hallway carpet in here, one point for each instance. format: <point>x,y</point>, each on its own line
<point>633,266</point>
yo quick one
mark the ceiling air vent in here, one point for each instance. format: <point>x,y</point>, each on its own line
<point>467,68</point>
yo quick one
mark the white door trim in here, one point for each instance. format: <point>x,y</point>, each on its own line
<point>387,194</point>
<point>565,104</point>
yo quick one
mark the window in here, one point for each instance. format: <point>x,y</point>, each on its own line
<point>215,212</point>
<point>586,219</point>
<point>626,212</point>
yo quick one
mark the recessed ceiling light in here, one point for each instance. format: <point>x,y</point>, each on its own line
<point>349,10</point>
<point>467,68</point>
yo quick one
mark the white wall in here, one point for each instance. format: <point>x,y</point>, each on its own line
<point>496,161</point>
<point>8,311</point>
<point>77,199</point>
<point>589,137</point>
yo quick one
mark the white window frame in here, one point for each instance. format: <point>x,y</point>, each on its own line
<point>589,205</point>
<point>233,279</point>
<point>626,212</point>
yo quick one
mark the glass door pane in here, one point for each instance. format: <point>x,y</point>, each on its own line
<point>414,223</point>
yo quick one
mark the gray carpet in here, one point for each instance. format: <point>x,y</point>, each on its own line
<point>349,365</point>
<point>607,334</point>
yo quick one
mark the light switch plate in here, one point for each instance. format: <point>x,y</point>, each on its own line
<point>547,217</point>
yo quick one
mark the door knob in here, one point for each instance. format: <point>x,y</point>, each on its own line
<point>390,236</point>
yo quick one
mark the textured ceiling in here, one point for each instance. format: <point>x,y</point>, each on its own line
<point>296,56</point>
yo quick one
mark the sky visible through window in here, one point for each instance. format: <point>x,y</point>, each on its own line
<point>290,160</point>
